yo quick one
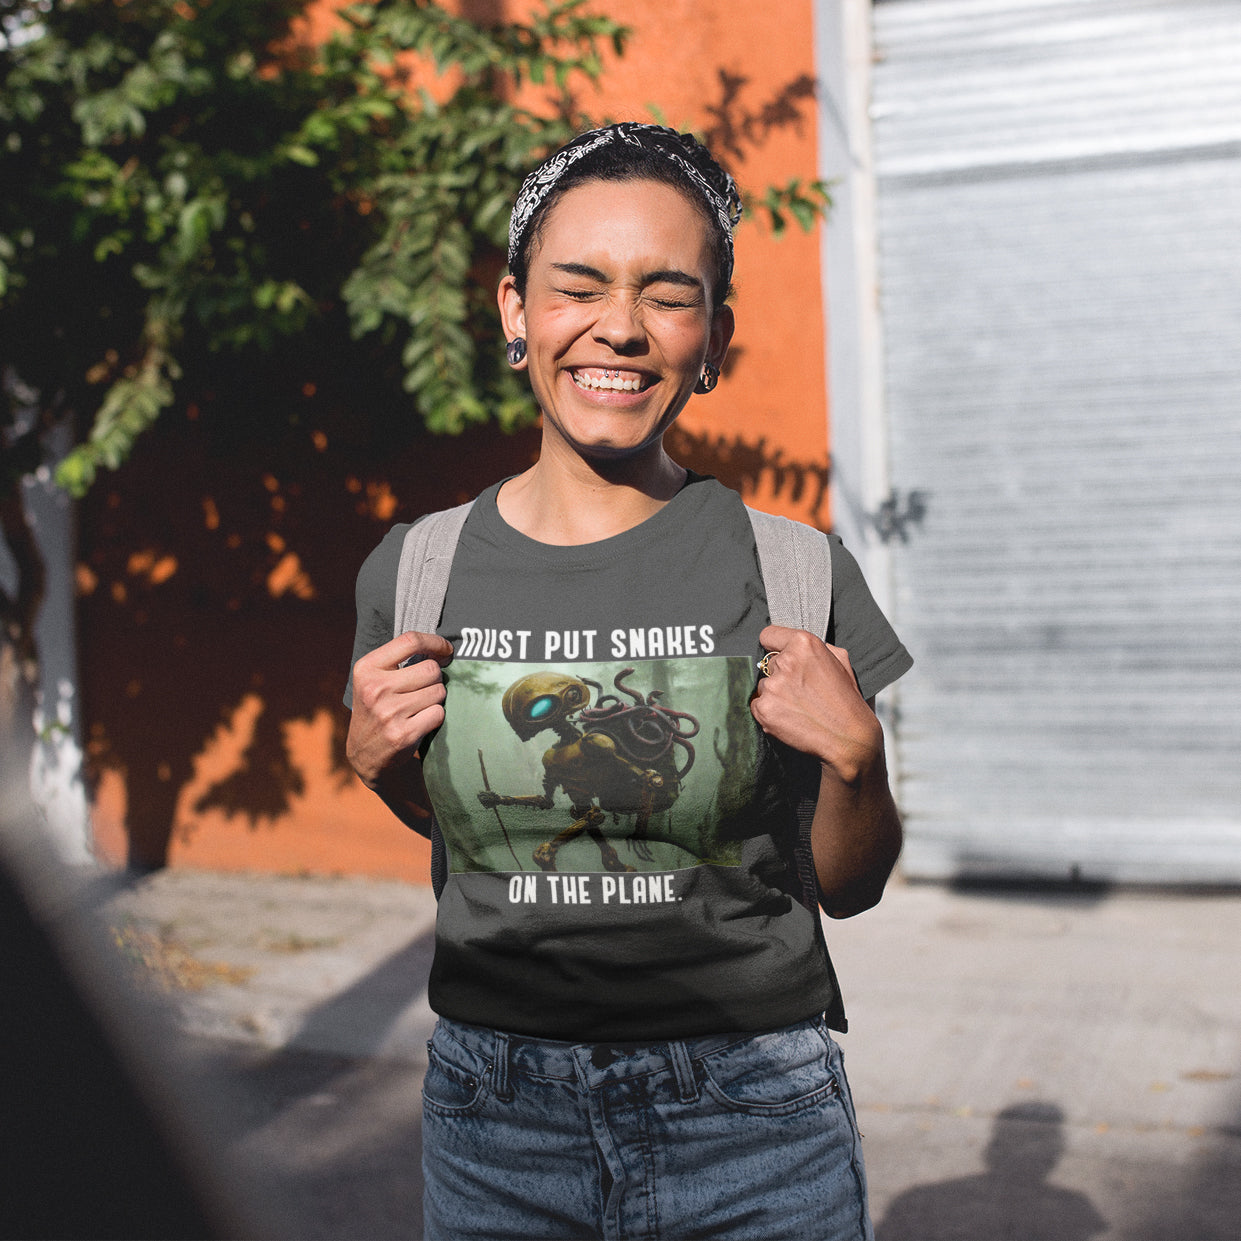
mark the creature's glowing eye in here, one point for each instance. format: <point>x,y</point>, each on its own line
<point>542,707</point>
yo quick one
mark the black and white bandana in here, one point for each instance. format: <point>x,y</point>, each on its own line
<point>536,187</point>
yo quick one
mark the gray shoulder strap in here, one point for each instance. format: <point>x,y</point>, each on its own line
<point>795,559</point>
<point>796,563</point>
<point>426,562</point>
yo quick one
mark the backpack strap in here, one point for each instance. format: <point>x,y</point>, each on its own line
<point>796,563</point>
<point>795,560</point>
<point>421,584</point>
<point>426,562</point>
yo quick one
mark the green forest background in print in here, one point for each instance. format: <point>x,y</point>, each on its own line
<point>703,823</point>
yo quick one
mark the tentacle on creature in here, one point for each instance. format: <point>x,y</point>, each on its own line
<point>647,730</point>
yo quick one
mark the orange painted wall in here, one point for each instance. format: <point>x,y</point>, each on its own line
<point>743,74</point>
<point>217,611</point>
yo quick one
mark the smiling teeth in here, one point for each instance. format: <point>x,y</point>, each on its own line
<point>609,381</point>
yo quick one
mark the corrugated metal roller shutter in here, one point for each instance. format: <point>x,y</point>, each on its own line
<point>1060,266</point>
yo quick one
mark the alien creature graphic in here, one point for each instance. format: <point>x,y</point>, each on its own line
<point>618,757</point>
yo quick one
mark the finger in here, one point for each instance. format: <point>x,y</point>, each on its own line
<point>765,706</point>
<point>776,637</point>
<point>388,731</point>
<point>424,646</point>
<point>842,655</point>
<point>406,646</point>
<point>408,721</point>
<point>409,678</point>
<point>406,728</point>
<point>412,703</point>
<point>397,692</point>
<point>426,721</point>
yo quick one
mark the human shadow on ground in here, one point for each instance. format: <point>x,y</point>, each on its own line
<point>1011,1199</point>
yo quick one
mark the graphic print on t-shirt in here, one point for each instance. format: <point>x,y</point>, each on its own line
<point>647,765</point>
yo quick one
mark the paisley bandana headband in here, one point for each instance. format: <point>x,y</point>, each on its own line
<point>536,187</point>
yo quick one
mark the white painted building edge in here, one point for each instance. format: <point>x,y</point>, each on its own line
<point>853,343</point>
<point>57,783</point>
<point>56,777</point>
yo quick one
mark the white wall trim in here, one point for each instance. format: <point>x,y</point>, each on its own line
<point>854,344</point>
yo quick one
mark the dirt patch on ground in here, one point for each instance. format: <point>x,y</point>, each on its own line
<point>160,960</point>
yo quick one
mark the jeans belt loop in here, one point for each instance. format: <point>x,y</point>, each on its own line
<point>500,1067</point>
<point>683,1069</point>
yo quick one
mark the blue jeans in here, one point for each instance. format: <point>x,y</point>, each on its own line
<point>727,1136</point>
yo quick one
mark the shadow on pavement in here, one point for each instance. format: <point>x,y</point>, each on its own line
<point>1083,892</point>
<point>1080,892</point>
<point>332,1143</point>
<point>330,1127</point>
<point>1201,1201</point>
<point>365,1015</point>
<point>1012,1198</point>
<point>119,1125</point>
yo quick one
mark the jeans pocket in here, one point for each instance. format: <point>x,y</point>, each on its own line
<point>773,1074</point>
<point>456,1079</point>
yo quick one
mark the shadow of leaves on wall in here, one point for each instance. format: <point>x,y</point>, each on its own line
<point>216,603</point>
<point>737,126</point>
<point>266,780</point>
<point>755,467</point>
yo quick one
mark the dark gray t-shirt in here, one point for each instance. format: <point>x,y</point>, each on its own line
<point>621,834</point>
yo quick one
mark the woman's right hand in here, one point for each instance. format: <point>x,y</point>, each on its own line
<point>395,707</point>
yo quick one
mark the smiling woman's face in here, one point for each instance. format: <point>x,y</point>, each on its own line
<point>617,315</point>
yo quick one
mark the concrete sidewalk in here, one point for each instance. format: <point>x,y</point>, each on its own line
<point>1033,1065</point>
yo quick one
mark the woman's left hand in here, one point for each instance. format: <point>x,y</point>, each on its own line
<point>810,700</point>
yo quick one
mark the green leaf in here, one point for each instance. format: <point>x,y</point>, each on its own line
<point>804,212</point>
<point>301,155</point>
<point>76,472</point>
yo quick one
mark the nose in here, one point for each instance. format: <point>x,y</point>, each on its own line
<point>619,325</point>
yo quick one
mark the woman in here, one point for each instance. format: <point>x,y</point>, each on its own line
<point>632,1038</point>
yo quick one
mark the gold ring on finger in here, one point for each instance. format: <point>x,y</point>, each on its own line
<point>767,663</point>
